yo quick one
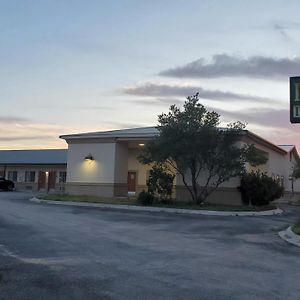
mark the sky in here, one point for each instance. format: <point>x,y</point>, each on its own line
<point>72,66</point>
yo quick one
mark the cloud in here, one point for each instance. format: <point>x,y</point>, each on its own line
<point>21,133</point>
<point>272,124</point>
<point>274,118</point>
<point>111,125</point>
<point>75,107</point>
<point>10,120</point>
<point>224,65</point>
<point>24,138</point>
<point>282,31</point>
<point>158,101</point>
<point>166,90</point>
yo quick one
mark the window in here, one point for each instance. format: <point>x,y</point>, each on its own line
<point>62,177</point>
<point>12,175</point>
<point>29,176</point>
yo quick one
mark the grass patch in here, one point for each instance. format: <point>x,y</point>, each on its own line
<point>89,199</point>
<point>296,228</point>
<point>133,201</point>
<point>217,207</point>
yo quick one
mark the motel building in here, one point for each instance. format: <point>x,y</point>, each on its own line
<point>35,170</point>
<point>105,164</point>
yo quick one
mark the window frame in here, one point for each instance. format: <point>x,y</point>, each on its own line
<point>60,176</point>
<point>14,176</point>
<point>30,179</point>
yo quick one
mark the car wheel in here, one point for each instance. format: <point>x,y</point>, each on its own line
<point>10,187</point>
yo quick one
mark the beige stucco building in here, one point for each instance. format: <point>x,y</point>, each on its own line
<point>106,164</point>
<point>114,169</point>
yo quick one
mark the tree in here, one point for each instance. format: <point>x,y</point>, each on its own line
<point>296,171</point>
<point>190,142</point>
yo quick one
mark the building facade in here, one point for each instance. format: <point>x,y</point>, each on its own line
<point>106,164</point>
<point>35,170</point>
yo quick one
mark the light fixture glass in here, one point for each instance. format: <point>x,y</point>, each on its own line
<point>141,145</point>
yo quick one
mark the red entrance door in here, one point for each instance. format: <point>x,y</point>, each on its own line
<point>42,180</point>
<point>51,180</point>
<point>131,181</point>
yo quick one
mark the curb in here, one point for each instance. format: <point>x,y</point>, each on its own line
<point>289,236</point>
<point>272,212</point>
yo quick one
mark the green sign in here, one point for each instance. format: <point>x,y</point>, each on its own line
<point>295,99</point>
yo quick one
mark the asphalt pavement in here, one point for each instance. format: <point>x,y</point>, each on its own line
<point>62,252</point>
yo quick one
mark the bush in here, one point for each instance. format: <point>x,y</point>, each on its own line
<point>259,189</point>
<point>145,198</point>
<point>160,183</point>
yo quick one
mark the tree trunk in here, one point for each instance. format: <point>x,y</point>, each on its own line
<point>196,197</point>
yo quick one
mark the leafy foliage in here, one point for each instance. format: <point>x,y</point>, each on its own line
<point>145,198</point>
<point>160,182</point>
<point>191,143</point>
<point>259,189</point>
<point>255,156</point>
<point>296,171</point>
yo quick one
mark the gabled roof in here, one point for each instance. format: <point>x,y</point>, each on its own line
<point>291,149</point>
<point>287,148</point>
<point>150,132</point>
<point>140,132</point>
<point>258,139</point>
<point>34,157</point>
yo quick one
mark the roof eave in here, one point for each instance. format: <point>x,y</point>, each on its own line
<point>120,137</point>
<point>264,142</point>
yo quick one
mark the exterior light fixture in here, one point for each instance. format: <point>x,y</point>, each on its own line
<point>141,145</point>
<point>89,157</point>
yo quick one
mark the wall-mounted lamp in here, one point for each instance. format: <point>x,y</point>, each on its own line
<point>89,157</point>
<point>141,145</point>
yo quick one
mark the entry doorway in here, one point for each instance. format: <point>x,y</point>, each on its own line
<point>131,182</point>
<point>46,181</point>
<point>51,180</point>
<point>42,181</point>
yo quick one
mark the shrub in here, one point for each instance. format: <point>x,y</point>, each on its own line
<point>259,189</point>
<point>160,183</point>
<point>145,198</point>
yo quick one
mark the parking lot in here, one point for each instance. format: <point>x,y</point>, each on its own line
<point>59,252</point>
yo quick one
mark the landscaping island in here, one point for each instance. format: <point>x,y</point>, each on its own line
<point>172,204</point>
<point>296,228</point>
